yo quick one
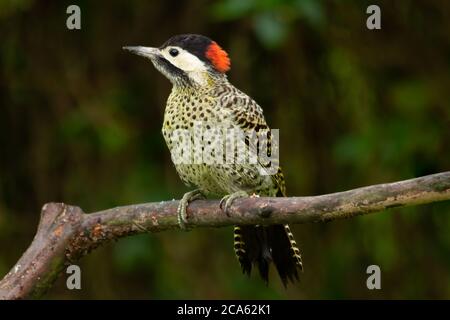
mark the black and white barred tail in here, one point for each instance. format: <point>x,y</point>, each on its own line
<point>261,245</point>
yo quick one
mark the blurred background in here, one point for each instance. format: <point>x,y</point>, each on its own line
<point>80,123</point>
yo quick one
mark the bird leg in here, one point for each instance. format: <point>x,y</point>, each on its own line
<point>184,202</point>
<point>227,201</point>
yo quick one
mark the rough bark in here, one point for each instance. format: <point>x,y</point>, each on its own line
<point>65,233</point>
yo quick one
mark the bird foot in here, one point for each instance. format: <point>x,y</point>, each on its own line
<point>182,207</point>
<point>227,201</point>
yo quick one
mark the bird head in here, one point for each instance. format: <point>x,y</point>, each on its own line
<point>187,59</point>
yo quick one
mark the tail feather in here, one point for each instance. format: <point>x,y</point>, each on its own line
<point>262,245</point>
<point>286,255</point>
<point>241,251</point>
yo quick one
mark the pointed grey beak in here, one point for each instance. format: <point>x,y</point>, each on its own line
<point>147,52</point>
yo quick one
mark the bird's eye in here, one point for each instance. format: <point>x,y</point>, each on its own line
<point>173,52</point>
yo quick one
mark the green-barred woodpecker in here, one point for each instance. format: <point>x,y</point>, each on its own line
<point>201,92</point>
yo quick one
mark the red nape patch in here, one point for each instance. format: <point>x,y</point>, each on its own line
<point>218,57</point>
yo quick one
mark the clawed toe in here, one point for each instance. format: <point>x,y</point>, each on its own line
<point>227,201</point>
<point>182,207</point>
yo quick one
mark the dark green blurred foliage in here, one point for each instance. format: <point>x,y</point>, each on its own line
<point>80,123</point>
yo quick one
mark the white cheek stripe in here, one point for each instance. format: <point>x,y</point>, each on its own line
<point>184,60</point>
<point>198,77</point>
<point>189,63</point>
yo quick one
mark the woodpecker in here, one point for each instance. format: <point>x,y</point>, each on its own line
<point>196,66</point>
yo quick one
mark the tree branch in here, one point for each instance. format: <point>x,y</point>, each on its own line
<point>65,233</point>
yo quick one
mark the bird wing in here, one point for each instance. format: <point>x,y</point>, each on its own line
<point>248,115</point>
